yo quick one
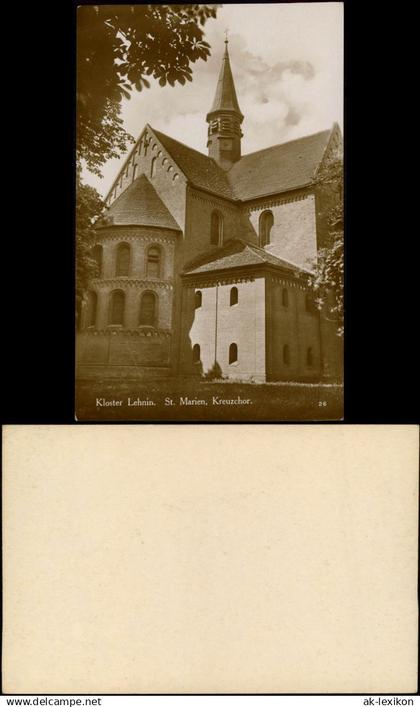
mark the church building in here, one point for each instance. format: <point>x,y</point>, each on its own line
<point>203,260</point>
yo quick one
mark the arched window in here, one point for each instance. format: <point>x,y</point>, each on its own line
<point>285,297</point>
<point>286,354</point>
<point>92,306</point>
<point>233,353</point>
<point>148,309</point>
<point>309,357</point>
<point>153,261</point>
<point>198,299</point>
<point>122,266</point>
<point>117,305</point>
<point>97,253</point>
<point>134,171</point>
<point>233,296</point>
<point>153,167</point>
<point>265,226</point>
<point>216,228</point>
<point>196,353</point>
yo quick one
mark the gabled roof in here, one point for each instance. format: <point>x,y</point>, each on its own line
<point>199,169</point>
<point>225,98</point>
<point>237,254</point>
<point>140,205</point>
<point>290,165</point>
<point>279,168</point>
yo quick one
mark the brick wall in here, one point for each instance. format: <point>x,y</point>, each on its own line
<point>200,207</point>
<point>216,325</point>
<point>196,241</point>
<point>293,326</point>
<point>293,235</point>
<point>120,348</point>
<point>129,344</point>
<point>140,239</point>
<point>133,292</point>
<point>169,183</point>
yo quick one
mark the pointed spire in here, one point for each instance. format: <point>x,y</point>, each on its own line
<point>224,119</point>
<point>225,97</point>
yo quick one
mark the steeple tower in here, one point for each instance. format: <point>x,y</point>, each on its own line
<point>224,119</point>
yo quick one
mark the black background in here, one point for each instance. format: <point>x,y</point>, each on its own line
<point>381,349</point>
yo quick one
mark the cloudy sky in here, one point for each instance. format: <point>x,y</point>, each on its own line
<point>287,63</point>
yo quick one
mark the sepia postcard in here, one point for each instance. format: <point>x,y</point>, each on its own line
<point>210,212</point>
<point>137,560</point>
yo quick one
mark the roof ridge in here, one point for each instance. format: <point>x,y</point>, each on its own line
<point>272,255</point>
<point>280,144</point>
<point>248,154</point>
<point>257,250</point>
<point>240,259</point>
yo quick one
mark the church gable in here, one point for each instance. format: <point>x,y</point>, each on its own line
<point>333,148</point>
<point>145,158</point>
<point>150,158</point>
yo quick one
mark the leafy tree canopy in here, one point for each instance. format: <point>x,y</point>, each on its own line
<point>121,47</point>
<point>88,206</point>
<point>328,280</point>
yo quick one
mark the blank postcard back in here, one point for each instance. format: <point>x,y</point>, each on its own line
<point>230,559</point>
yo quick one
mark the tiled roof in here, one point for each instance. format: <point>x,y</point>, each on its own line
<point>140,205</point>
<point>270,171</point>
<point>236,254</point>
<point>201,170</point>
<point>279,168</point>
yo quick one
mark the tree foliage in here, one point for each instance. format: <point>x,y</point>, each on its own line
<point>120,47</point>
<point>88,206</point>
<point>328,280</point>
